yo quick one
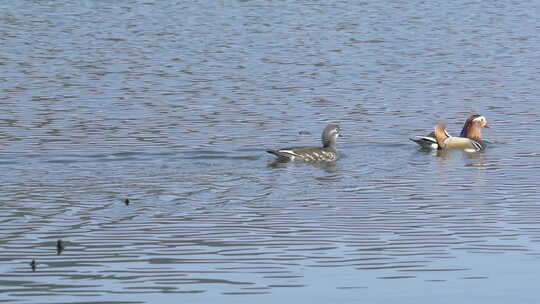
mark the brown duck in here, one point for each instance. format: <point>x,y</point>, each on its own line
<point>469,140</point>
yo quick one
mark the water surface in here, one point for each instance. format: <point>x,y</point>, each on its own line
<point>172,105</point>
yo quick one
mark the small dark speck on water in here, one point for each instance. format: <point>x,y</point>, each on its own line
<point>59,247</point>
<point>33,265</point>
<point>126,201</point>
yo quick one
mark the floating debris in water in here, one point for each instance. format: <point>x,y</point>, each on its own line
<point>59,247</point>
<point>126,201</point>
<point>33,265</point>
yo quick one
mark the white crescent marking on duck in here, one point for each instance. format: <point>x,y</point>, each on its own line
<point>477,145</point>
<point>291,152</point>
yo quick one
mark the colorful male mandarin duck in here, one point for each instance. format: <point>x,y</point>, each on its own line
<point>469,140</point>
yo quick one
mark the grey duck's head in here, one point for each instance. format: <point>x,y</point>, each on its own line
<point>330,134</point>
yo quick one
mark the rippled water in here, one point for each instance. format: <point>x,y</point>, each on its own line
<point>173,103</point>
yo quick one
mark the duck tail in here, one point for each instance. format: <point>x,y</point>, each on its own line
<point>272,152</point>
<point>282,154</point>
<point>425,142</point>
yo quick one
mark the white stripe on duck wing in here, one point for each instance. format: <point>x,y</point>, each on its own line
<point>327,152</point>
<point>427,142</point>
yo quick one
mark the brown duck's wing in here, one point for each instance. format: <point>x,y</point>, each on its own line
<point>463,143</point>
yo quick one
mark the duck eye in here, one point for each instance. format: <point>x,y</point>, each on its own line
<point>480,119</point>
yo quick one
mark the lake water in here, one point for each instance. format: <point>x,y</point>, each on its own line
<point>173,103</point>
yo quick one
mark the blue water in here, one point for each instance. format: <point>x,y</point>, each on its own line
<point>172,104</point>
